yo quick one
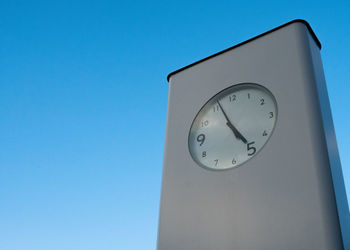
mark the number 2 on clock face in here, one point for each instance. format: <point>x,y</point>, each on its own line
<point>232,126</point>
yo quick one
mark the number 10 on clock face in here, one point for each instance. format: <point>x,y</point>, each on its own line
<point>233,126</point>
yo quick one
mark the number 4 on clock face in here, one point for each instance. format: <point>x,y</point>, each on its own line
<point>233,126</point>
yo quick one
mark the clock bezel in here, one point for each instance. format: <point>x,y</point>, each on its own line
<point>238,86</point>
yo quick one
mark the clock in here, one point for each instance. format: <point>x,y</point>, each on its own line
<point>233,126</point>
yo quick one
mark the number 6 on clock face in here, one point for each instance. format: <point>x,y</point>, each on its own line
<point>232,126</point>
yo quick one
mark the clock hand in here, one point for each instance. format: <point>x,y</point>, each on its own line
<point>228,123</point>
<point>240,136</point>
<point>237,134</point>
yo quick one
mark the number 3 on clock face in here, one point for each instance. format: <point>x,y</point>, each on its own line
<point>232,126</point>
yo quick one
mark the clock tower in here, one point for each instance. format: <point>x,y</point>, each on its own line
<point>251,160</point>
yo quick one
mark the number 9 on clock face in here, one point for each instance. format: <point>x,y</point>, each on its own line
<point>233,126</point>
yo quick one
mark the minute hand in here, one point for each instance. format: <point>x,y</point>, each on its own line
<point>232,127</point>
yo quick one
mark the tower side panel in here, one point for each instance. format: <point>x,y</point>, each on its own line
<point>334,161</point>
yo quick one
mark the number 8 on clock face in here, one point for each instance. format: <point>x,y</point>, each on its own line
<point>232,126</point>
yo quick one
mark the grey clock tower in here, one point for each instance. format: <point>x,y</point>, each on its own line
<point>287,192</point>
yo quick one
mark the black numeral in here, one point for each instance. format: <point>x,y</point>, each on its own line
<point>216,108</point>
<point>262,101</point>
<point>216,162</point>
<point>271,114</point>
<point>205,123</point>
<point>204,154</point>
<point>201,139</point>
<point>264,133</point>
<point>251,148</point>
<point>234,161</point>
<point>232,98</point>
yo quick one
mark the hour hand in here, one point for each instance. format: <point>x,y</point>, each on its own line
<point>237,134</point>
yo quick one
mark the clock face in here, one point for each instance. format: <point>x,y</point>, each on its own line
<point>233,126</point>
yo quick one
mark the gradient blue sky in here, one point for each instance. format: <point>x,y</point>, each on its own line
<point>83,98</point>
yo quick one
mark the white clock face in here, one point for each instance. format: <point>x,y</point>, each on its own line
<point>232,126</point>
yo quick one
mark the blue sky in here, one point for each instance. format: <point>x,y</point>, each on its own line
<point>83,98</point>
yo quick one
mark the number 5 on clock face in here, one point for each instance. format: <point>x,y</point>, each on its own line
<point>232,126</point>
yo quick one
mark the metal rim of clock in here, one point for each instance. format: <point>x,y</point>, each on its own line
<point>238,85</point>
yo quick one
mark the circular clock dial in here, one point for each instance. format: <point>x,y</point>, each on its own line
<point>232,126</point>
